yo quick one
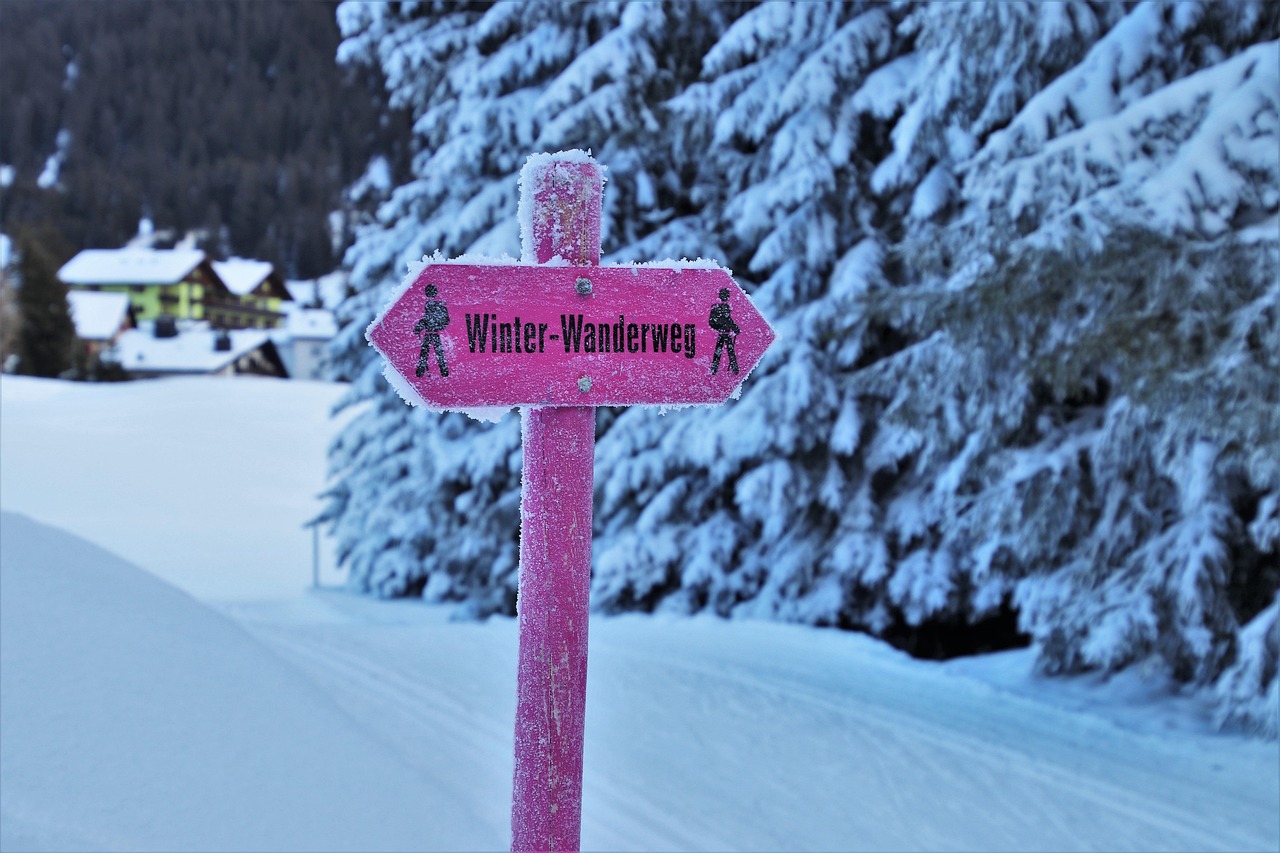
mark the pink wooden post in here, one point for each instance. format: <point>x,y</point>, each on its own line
<point>555,547</point>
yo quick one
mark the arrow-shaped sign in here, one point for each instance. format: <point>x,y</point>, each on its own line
<point>482,335</point>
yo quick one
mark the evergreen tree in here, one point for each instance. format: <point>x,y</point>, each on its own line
<point>1022,259</point>
<point>487,85</point>
<point>47,335</point>
<point>177,110</point>
<point>697,509</point>
<point>10,316</point>
<point>1087,378</point>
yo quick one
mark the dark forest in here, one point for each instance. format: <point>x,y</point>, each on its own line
<point>227,118</point>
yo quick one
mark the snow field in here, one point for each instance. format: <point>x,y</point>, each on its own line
<point>202,483</point>
<point>136,718</point>
<point>261,716</point>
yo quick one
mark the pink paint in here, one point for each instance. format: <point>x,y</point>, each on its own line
<point>526,335</point>
<point>555,550</point>
<point>555,581</point>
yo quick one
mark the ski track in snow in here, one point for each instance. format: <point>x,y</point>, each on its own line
<point>701,734</point>
<point>862,755</point>
<point>953,759</point>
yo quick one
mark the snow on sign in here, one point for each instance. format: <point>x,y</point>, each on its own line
<point>476,335</point>
<point>559,335</point>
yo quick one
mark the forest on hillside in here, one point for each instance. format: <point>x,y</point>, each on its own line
<point>231,118</point>
<point>1024,258</point>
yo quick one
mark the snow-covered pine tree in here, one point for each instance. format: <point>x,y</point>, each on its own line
<point>1090,376</point>
<point>1022,256</point>
<point>46,338</point>
<point>420,502</point>
<point>829,131</point>
<point>734,508</point>
<point>959,443</point>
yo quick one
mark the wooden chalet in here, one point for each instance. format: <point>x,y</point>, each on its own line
<point>260,294</point>
<point>168,285</point>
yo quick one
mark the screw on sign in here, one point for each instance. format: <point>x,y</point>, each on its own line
<point>557,335</point>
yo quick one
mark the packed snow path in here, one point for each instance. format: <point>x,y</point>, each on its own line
<point>701,734</point>
<point>707,735</point>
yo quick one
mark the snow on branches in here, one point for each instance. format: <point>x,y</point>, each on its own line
<point>1024,259</point>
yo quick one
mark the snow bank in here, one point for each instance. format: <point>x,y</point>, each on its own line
<point>136,718</point>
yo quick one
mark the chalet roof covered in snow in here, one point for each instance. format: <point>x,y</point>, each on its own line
<point>98,316</point>
<point>311,324</point>
<point>243,276</point>
<point>131,266</point>
<point>192,351</point>
<point>330,288</point>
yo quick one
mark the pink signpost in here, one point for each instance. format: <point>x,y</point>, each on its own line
<point>557,335</point>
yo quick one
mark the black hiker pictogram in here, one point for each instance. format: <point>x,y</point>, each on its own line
<point>435,317</point>
<point>726,331</point>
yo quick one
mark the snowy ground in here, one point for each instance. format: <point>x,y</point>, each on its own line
<point>243,710</point>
